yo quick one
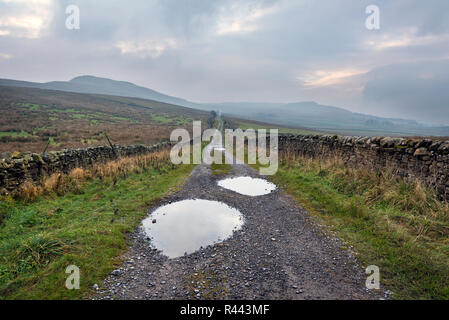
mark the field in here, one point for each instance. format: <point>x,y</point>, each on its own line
<point>246,124</point>
<point>32,118</point>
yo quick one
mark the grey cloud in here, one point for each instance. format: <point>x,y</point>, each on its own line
<point>412,90</point>
<point>295,40</point>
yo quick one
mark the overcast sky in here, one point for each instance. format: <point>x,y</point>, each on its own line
<point>239,50</point>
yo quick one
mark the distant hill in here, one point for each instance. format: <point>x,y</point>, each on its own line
<point>95,85</point>
<point>307,114</point>
<point>328,119</point>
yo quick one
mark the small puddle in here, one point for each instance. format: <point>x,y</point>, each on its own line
<point>248,186</point>
<point>186,226</point>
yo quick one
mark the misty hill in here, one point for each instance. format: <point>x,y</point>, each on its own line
<point>95,85</point>
<point>328,119</point>
<point>307,114</point>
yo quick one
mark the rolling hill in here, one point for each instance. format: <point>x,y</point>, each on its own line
<point>95,85</point>
<point>31,118</point>
<point>298,114</point>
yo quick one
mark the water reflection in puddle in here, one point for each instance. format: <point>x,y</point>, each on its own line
<point>186,226</point>
<point>248,186</point>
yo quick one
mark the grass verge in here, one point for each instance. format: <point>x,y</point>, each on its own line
<point>220,169</point>
<point>397,225</point>
<point>80,219</point>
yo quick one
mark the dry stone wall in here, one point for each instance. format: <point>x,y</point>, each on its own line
<point>423,159</point>
<point>17,168</point>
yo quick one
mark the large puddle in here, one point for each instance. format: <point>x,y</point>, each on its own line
<point>186,226</point>
<point>248,186</point>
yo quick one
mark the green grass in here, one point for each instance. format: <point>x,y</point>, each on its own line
<point>52,142</point>
<point>63,110</point>
<point>31,106</point>
<point>89,141</point>
<point>87,228</point>
<point>393,224</point>
<point>75,114</point>
<point>160,118</point>
<point>220,169</point>
<point>117,118</point>
<point>282,130</point>
<point>36,130</point>
<point>12,134</point>
<point>91,117</point>
<point>79,116</point>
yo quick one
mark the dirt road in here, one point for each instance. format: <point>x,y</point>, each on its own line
<point>279,253</point>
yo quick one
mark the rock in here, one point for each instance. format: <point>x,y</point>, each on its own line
<point>95,286</point>
<point>387,142</point>
<point>153,221</point>
<point>435,145</point>
<point>116,272</point>
<point>421,152</point>
<point>425,143</point>
<point>5,155</point>
<point>444,146</point>
<point>16,155</point>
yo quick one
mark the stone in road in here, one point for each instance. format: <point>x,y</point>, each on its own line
<point>280,253</point>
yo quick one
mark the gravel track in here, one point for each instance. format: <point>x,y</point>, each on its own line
<point>280,253</point>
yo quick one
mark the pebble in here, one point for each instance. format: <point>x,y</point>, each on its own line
<point>246,257</point>
<point>116,272</point>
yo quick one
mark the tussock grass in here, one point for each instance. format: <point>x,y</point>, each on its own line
<point>398,225</point>
<point>37,252</point>
<point>60,183</point>
<point>83,219</point>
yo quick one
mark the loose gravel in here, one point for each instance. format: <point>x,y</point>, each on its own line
<point>279,253</point>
